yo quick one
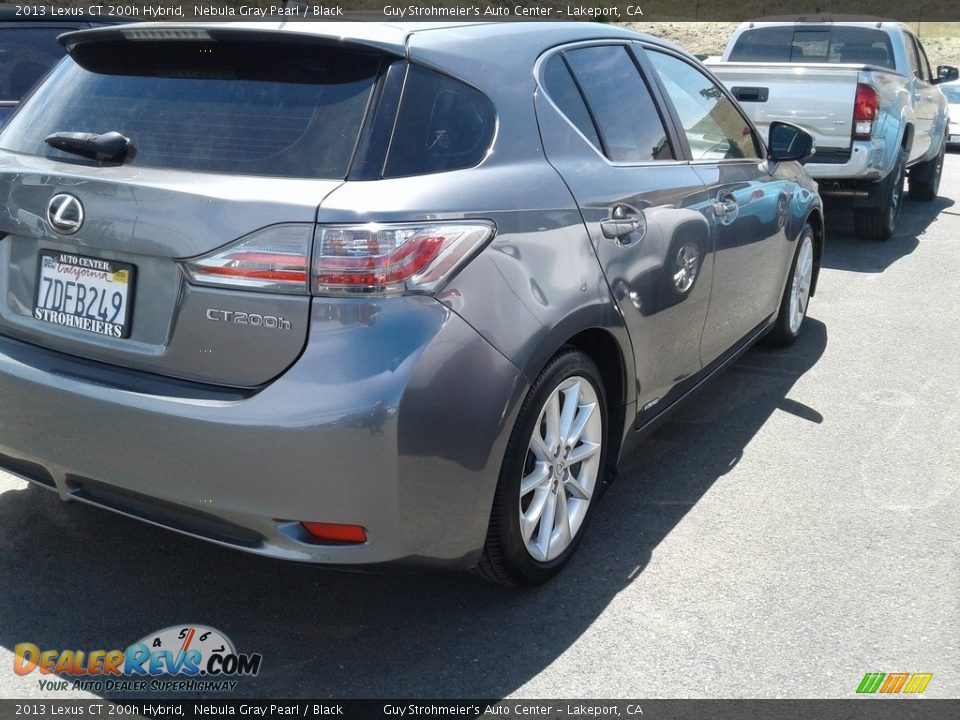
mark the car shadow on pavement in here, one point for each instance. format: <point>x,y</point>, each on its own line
<point>846,251</point>
<point>77,577</point>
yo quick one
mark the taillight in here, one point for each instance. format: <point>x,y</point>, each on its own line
<point>392,258</point>
<point>347,259</point>
<point>865,108</point>
<point>275,259</point>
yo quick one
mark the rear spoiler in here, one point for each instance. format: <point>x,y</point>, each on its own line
<point>353,35</point>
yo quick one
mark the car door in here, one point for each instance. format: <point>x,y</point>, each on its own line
<point>924,98</point>
<point>749,201</point>
<point>604,130</point>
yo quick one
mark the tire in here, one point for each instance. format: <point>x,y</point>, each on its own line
<point>878,223</point>
<point>925,177</point>
<point>533,476</point>
<point>796,294</point>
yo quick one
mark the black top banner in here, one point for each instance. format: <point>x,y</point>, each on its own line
<point>923,11</point>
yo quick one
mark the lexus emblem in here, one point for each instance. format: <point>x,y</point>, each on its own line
<point>65,213</point>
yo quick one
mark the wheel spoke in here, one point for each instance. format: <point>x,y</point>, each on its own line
<point>571,400</point>
<point>538,477</point>
<point>576,489</point>
<point>538,446</point>
<point>579,423</point>
<point>561,537</point>
<point>529,519</point>
<point>582,452</point>
<point>546,524</point>
<point>552,416</point>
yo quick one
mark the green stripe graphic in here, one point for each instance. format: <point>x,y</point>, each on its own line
<point>870,682</point>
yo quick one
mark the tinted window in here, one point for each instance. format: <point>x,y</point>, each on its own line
<point>630,126</point>
<point>952,93</point>
<point>25,55</point>
<point>442,124</point>
<point>787,43</point>
<point>714,127</point>
<point>922,60</point>
<point>912,56</point>
<point>208,106</point>
<point>562,89</point>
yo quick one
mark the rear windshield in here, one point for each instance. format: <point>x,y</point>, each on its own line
<point>25,55</point>
<point>253,108</point>
<point>788,43</point>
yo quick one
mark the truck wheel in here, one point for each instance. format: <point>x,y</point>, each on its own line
<point>925,177</point>
<point>878,223</point>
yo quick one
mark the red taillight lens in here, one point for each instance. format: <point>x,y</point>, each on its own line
<point>333,532</point>
<point>865,108</point>
<point>275,259</point>
<point>370,258</point>
<point>391,258</point>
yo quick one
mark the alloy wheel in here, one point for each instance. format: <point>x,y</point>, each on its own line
<point>561,469</point>
<point>800,290</point>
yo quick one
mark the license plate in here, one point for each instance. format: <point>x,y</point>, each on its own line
<point>85,293</point>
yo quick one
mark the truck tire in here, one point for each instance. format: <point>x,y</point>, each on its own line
<point>925,177</point>
<point>878,223</point>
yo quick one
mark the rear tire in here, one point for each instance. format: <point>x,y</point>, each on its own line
<point>796,295</point>
<point>545,498</point>
<point>878,223</point>
<point>925,177</point>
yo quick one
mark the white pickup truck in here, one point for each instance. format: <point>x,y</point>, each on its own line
<point>866,93</point>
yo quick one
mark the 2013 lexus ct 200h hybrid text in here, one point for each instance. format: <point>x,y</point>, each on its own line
<point>361,294</point>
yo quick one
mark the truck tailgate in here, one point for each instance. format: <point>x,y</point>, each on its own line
<point>817,97</point>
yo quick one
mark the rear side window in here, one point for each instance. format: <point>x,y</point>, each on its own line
<point>443,124</point>
<point>210,106</point>
<point>566,96</point>
<point>859,45</point>
<point>630,126</point>
<point>25,55</point>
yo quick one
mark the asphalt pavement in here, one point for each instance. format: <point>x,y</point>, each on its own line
<point>792,529</point>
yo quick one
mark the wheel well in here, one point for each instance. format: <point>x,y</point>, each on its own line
<point>605,352</point>
<point>815,219</point>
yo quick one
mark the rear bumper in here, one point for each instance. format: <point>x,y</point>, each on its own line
<point>395,417</point>
<point>867,162</point>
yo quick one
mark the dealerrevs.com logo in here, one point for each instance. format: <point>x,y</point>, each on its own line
<point>191,658</point>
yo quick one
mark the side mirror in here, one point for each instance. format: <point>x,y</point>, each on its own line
<point>946,73</point>
<point>788,142</point>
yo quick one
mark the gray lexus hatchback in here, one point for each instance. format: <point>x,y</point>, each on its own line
<point>358,294</point>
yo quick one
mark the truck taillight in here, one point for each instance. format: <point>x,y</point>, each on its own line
<point>865,108</point>
<point>387,258</point>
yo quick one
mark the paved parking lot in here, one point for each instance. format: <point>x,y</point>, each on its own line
<point>791,530</point>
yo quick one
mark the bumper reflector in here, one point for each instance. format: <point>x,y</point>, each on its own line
<point>336,533</point>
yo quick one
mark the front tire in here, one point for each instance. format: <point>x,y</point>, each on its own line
<point>796,294</point>
<point>878,223</point>
<point>551,475</point>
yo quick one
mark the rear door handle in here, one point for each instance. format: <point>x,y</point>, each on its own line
<point>616,228</point>
<point>726,205</point>
<point>626,225</point>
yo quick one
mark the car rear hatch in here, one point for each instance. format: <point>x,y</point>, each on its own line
<point>235,138</point>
